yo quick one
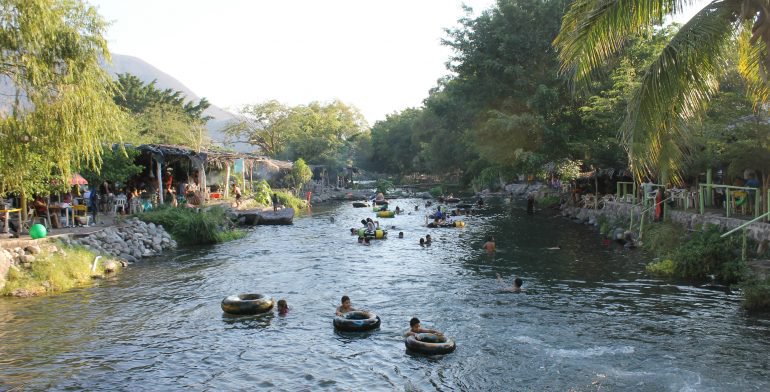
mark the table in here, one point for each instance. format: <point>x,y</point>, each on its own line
<point>7,213</point>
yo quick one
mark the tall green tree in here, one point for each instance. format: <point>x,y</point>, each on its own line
<point>678,84</point>
<point>62,112</point>
<point>300,174</point>
<point>265,126</point>
<point>162,116</point>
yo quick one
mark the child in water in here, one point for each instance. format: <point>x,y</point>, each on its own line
<point>283,307</point>
<point>516,288</point>
<point>345,307</point>
<point>414,328</point>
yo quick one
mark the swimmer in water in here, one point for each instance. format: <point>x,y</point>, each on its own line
<point>516,288</point>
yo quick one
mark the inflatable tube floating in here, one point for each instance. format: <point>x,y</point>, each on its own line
<point>356,321</point>
<point>386,214</point>
<point>447,225</point>
<point>378,234</point>
<point>360,204</point>
<point>247,304</point>
<point>431,344</point>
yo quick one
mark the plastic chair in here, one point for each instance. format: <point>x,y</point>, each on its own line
<point>119,202</point>
<point>80,213</point>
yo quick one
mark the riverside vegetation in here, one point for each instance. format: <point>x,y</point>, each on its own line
<point>704,255</point>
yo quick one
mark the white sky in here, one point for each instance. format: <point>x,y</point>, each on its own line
<point>380,56</point>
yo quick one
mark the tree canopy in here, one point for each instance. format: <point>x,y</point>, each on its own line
<point>161,116</point>
<point>62,111</point>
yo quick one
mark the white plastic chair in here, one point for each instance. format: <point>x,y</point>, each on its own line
<point>119,202</point>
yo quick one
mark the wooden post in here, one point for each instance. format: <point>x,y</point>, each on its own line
<point>160,182</point>
<point>227,180</point>
<point>708,192</point>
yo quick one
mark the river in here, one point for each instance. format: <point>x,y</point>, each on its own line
<point>590,319</point>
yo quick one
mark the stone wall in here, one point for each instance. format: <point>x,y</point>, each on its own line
<point>691,220</point>
<point>130,240</point>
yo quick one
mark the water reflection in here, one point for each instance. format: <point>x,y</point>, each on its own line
<point>255,321</point>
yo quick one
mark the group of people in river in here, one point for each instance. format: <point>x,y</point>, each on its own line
<point>414,324</point>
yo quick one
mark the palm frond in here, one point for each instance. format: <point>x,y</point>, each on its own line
<point>594,30</point>
<point>676,89</point>
<point>752,65</point>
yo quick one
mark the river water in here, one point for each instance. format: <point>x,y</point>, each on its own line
<point>590,319</point>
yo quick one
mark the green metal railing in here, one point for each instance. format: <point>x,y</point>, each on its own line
<point>622,190</point>
<point>730,198</point>
<point>743,226</point>
<point>644,212</point>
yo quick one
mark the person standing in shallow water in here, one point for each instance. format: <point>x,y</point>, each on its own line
<point>489,246</point>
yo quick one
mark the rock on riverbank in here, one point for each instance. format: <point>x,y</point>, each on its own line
<point>130,240</point>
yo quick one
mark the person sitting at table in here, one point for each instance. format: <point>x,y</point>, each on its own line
<point>41,210</point>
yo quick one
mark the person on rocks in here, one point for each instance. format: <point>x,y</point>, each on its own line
<point>345,306</point>
<point>238,195</point>
<point>274,199</point>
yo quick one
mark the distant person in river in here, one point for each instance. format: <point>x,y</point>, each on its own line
<point>422,241</point>
<point>283,307</point>
<point>345,307</point>
<point>415,328</point>
<point>428,240</point>
<point>516,288</point>
<point>400,234</point>
<point>274,199</point>
<point>489,246</point>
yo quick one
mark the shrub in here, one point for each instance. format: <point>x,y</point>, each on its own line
<point>436,191</point>
<point>262,192</point>
<point>662,238</point>
<point>289,200</point>
<point>756,294</point>
<point>663,267</point>
<point>706,253</point>
<point>189,226</point>
<point>548,201</point>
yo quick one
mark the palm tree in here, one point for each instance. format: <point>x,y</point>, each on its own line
<point>678,85</point>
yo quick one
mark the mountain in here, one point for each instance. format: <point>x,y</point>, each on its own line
<point>147,73</point>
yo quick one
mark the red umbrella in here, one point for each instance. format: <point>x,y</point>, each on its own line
<point>77,179</point>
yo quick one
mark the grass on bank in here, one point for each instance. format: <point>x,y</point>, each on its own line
<point>189,226</point>
<point>53,272</point>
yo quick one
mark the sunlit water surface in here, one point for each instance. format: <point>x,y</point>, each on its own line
<point>590,319</point>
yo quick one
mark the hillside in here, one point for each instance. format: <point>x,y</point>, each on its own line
<point>147,73</point>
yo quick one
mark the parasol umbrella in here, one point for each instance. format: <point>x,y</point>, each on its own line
<point>77,179</point>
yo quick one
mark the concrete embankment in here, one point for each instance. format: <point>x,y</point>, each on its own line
<point>614,212</point>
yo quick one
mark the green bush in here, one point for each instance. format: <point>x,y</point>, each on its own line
<point>262,192</point>
<point>436,191</point>
<point>188,226</point>
<point>548,201</point>
<point>289,200</point>
<point>664,267</point>
<point>706,253</point>
<point>661,239</point>
<point>756,294</point>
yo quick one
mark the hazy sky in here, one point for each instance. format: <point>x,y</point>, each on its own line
<point>380,56</point>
